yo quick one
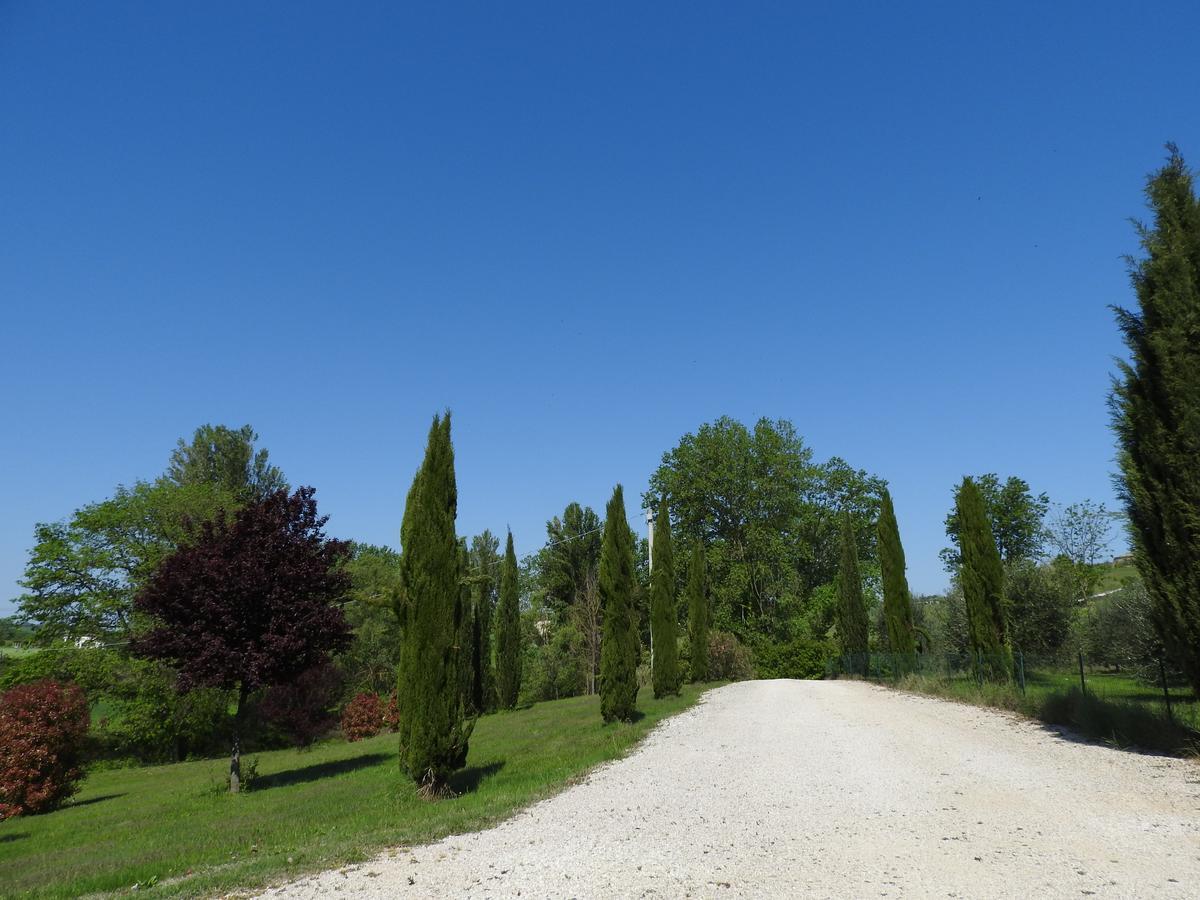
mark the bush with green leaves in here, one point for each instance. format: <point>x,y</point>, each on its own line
<point>798,658</point>
<point>728,658</point>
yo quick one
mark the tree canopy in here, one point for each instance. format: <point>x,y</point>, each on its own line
<point>766,513</point>
<point>1015,515</point>
<point>221,456</point>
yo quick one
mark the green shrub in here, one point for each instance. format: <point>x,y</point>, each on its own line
<point>798,658</point>
<point>728,659</point>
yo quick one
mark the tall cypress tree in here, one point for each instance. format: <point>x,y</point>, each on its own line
<point>433,727</point>
<point>662,607</point>
<point>619,640</point>
<point>508,632</point>
<point>981,574</point>
<point>897,602</point>
<point>852,608</point>
<point>1156,412</point>
<point>698,614</point>
<point>464,626</point>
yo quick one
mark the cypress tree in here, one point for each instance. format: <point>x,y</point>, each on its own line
<point>852,608</point>
<point>619,640</point>
<point>508,632</point>
<point>1156,412</point>
<point>698,614</point>
<point>464,626</point>
<point>981,574</point>
<point>433,728</point>
<point>483,688</point>
<point>662,607</point>
<point>897,602</point>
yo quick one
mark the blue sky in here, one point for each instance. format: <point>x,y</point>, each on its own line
<point>586,229</point>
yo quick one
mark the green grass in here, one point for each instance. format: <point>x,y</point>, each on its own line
<point>1113,577</point>
<point>1116,709</point>
<point>308,810</point>
<point>17,652</point>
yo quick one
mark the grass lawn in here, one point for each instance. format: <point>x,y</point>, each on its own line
<point>1117,708</point>
<point>1113,577</point>
<point>17,652</point>
<point>333,804</point>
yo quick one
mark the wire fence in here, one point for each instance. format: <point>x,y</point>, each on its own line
<point>1150,685</point>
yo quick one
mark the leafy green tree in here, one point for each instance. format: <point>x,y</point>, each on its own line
<point>369,663</point>
<point>765,513</point>
<point>571,555</point>
<point>508,632</point>
<point>982,578</point>
<point>225,458</point>
<point>1041,603</point>
<point>82,574</point>
<point>434,729</point>
<point>663,616</point>
<point>1080,533</point>
<point>1016,516</point>
<point>1156,411</point>
<point>698,614</point>
<point>852,608</point>
<point>619,644</point>
<point>897,602</point>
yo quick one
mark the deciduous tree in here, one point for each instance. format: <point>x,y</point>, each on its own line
<point>250,602</point>
<point>225,458</point>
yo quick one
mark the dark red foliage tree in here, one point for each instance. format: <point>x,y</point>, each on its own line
<point>42,729</point>
<point>300,708</point>
<point>249,602</point>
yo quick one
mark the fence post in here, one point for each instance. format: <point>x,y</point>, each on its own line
<point>1021,670</point>
<point>1082,680</point>
<point>1162,672</point>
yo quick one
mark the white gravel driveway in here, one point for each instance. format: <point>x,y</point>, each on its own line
<point>828,789</point>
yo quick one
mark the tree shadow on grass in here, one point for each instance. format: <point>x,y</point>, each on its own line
<point>8,838</point>
<point>464,781</point>
<point>90,800</point>
<point>318,771</point>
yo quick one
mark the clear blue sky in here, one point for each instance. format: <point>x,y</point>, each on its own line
<point>585,228</point>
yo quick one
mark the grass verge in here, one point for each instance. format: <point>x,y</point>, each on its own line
<point>175,831</point>
<point>1107,714</point>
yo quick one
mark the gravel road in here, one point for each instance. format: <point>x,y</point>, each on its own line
<point>829,789</point>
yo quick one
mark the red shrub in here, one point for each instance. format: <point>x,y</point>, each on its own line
<point>362,717</point>
<point>42,730</point>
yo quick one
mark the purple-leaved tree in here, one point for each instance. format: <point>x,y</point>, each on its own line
<point>248,601</point>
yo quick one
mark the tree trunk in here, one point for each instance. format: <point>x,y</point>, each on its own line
<point>235,759</point>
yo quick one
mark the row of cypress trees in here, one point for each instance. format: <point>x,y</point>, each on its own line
<point>619,638</point>
<point>851,616</point>
<point>445,665</point>
<point>981,574</point>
